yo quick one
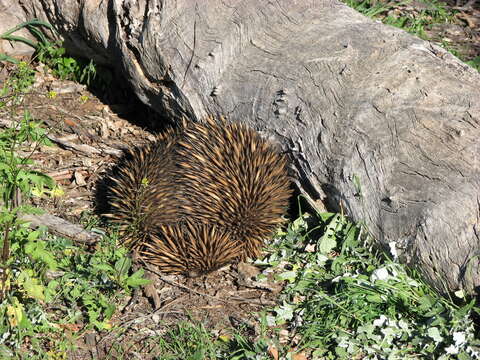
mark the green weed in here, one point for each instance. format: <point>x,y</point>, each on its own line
<point>368,7</point>
<point>33,26</point>
<point>19,83</point>
<point>190,340</point>
<point>66,67</point>
<point>432,12</point>
<point>343,299</point>
<point>59,290</point>
<point>242,348</point>
<point>54,56</point>
<point>346,300</point>
<point>79,70</point>
<point>187,341</point>
<point>51,290</point>
<point>418,22</point>
<point>475,63</point>
<point>17,177</point>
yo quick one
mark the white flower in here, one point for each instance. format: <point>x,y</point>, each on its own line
<point>393,249</point>
<point>380,274</point>
<point>380,321</point>
<point>343,342</point>
<point>271,320</point>
<point>475,354</point>
<point>459,338</point>
<point>402,324</point>
<point>453,350</point>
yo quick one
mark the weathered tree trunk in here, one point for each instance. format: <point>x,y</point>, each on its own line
<point>383,123</point>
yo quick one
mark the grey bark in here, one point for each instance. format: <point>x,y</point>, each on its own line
<point>377,121</point>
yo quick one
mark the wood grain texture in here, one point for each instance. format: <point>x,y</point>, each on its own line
<point>374,119</point>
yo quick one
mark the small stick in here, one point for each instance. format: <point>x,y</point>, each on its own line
<point>61,227</point>
<point>83,148</point>
<point>60,175</point>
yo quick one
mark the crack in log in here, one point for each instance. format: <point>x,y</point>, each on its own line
<point>415,172</point>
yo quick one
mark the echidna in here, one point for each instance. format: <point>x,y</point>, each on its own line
<point>232,177</point>
<point>201,197</point>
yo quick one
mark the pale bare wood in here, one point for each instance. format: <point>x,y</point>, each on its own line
<point>61,227</point>
<point>84,148</point>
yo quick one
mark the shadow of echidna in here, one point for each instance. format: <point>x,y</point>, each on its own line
<point>200,197</point>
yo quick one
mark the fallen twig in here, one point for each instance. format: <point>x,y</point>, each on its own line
<point>84,148</point>
<point>61,174</point>
<point>61,227</point>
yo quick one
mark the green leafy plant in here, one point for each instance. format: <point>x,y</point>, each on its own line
<point>48,273</point>
<point>17,180</point>
<point>14,173</point>
<point>187,341</point>
<point>23,257</point>
<point>33,26</point>
<point>53,55</point>
<point>343,298</point>
<point>38,271</point>
<point>368,7</point>
<point>242,348</point>
<point>417,23</point>
<point>90,280</point>
<point>17,85</point>
<point>475,63</point>
<point>65,67</point>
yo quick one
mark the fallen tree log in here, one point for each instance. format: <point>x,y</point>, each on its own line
<point>375,120</point>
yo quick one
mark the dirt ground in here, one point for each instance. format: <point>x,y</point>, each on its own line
<point>90,133</point>
<point>461,36</point>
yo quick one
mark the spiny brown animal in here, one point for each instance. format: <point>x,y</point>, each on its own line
<point>190,248</point>
<point>143,191</point>
<point>232,178</point>
<point>201,196</point>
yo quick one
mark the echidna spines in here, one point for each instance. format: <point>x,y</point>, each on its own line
<point>143,189</point>
<point>242,185</point>
<point>190,248</point>
<point>216,191</point>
